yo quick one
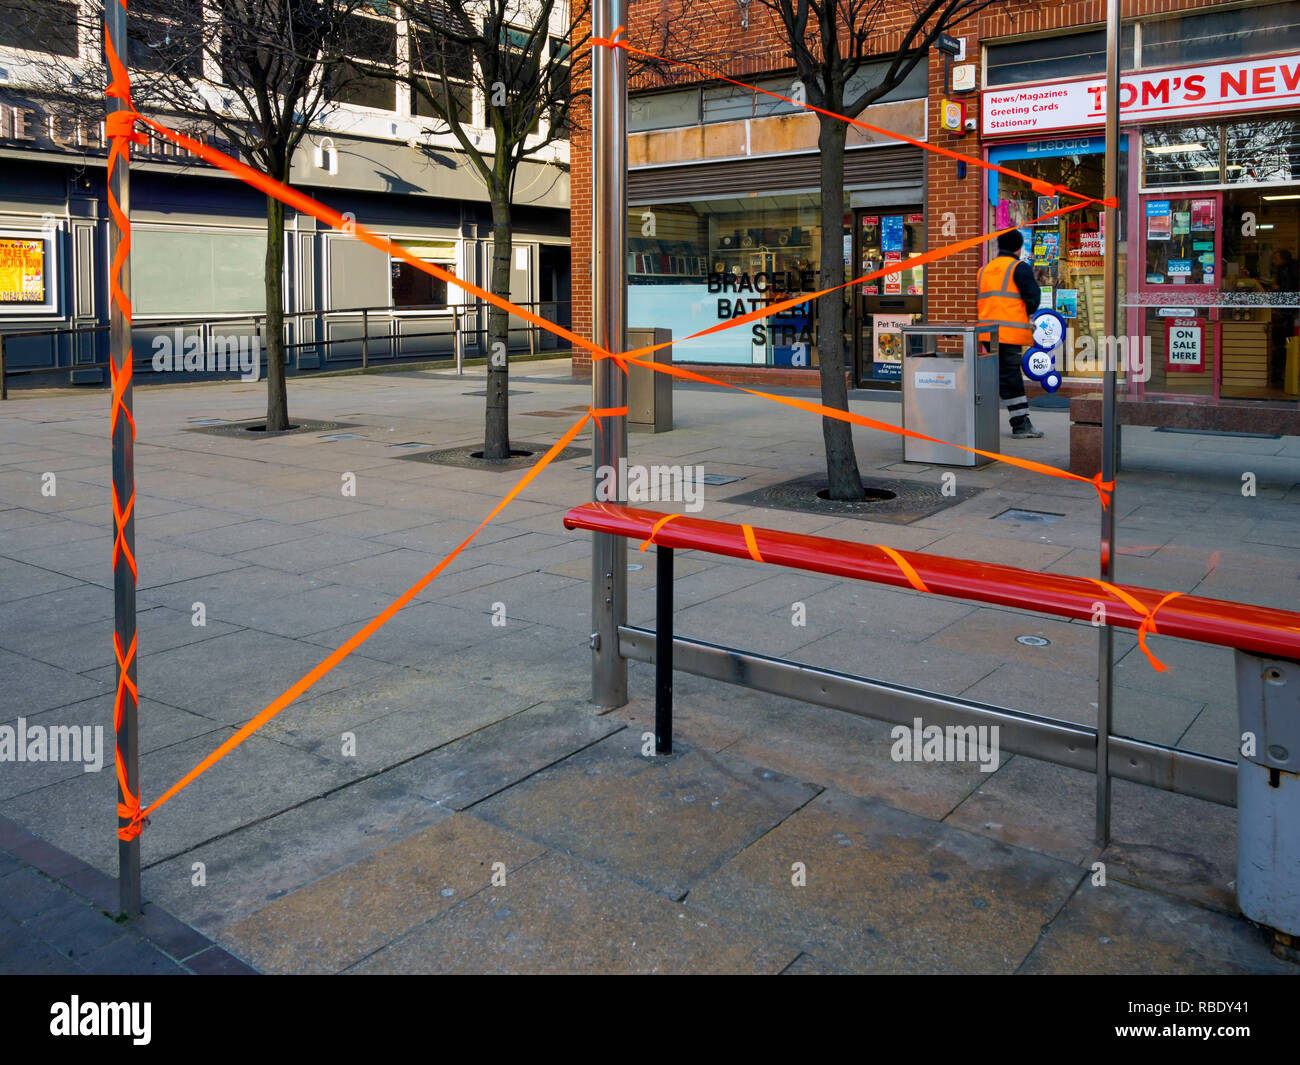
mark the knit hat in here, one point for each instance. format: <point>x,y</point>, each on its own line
<point>1010,243</point>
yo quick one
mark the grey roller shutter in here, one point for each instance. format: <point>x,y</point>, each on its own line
<point>901,165</point>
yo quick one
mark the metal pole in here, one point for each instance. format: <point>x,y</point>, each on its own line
<point>1109,426</point>
<point>365,336</point>
<point>128,748</point>
<point>609,330</point>
<point>663,650</point>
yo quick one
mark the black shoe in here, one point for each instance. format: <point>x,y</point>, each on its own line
<point>1023,429</point>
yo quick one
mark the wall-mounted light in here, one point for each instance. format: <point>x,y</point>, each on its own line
<point>327,156</point>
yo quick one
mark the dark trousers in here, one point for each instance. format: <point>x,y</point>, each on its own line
<point>1011,385</point>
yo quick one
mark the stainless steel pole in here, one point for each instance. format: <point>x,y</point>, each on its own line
<point>609,330</point>
<point>128,747</point>
<point>1109,425</point>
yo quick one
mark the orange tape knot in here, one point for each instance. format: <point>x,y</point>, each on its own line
<point>913,578</point>
<point>120,125</point>
<point>1148,619</point>
<point>612,42</point>
<point>655,530</point>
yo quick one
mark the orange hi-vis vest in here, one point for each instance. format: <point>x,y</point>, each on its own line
<point>1001,304</point>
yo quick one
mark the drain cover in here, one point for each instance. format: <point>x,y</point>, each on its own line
<point>410,445</point>
<point>341,436</point>
<point>1034,641</point>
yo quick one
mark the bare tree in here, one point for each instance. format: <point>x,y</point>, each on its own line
<point>847,55</point>
<point>518,57</point>
<point>259,73</point>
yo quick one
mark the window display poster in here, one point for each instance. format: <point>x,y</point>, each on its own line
<point>915,219</point>
<point>891,232</point>
<point>1185,344</point>
<point>1046,205</point>
<point>22,270</point>
<point>1002,217</point>
<point>1067,302</point>
<point>1158,220</point>
<point>1028,234</point>
<point>1203,215</point>
<point>1045,297</point>
<point>1182,223</point>
<point>887,344</point>
<point>1179,268</point>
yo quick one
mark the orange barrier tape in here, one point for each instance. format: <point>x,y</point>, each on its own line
<point>751,543</point>
<point>1042,188</point>
<point>654,531</point>
<point>360,637</point>
<point>333,218</point>
<point>1148,618</point>
<point>909,572</point>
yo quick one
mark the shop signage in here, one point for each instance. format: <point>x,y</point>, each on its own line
<point>22,270</point>
<point>25,124</point>
<point>1185,344</point>
<point>1244,85</point>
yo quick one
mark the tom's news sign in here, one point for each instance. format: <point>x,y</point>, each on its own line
<point>1247,85</point>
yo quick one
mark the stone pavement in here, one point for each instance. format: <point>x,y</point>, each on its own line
<point>447,800</point>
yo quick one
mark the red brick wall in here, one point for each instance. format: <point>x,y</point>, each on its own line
<point>710,36</point>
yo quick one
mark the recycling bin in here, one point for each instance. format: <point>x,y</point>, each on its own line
<point>950,396</point>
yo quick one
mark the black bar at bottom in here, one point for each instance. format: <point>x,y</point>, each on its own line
<point>663,650</point>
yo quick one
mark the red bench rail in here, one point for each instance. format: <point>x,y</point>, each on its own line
<point>1259,630</point>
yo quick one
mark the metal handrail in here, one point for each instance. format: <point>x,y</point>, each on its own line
<point>457,312</point>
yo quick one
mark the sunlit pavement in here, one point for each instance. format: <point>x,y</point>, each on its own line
<point>447,800</point>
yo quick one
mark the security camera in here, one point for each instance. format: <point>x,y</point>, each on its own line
<point>970,125</point>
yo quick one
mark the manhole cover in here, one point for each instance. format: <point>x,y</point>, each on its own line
<point>1034,641</point>
<point>342,436</point>
<point>410,445</point>
<point>1038,517</point>
<point>894,500</point>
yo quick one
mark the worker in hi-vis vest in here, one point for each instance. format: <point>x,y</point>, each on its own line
<point>1008,296</point>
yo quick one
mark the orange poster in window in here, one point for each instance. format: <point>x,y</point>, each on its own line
<point>22,270</point>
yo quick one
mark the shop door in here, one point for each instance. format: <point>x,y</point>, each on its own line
<point>1179,277</point>
<point>881,307</point>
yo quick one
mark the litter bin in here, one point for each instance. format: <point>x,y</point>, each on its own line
<point>952,397</point>
<point>649,394</point>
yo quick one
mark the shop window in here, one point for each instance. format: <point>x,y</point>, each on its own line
<point>1181,155</point>
<point>1066,251</point>
<point>663,110</point>
<point>693,265</point>
<point>560,84</point>
<point>1049,58</point>
<point>179,271</point>
<point>1214,35</point>
<point>48,26</point>
<point>729,103</point>
<point>1262,151</point>
<point>413,288</point>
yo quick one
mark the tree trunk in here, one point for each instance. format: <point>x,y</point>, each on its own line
<point>844,480</point>
<point>496,440</point>
<point>277,398</point>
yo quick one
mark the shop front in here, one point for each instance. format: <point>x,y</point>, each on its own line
<point>1210,226</point>
<point>711,242</point>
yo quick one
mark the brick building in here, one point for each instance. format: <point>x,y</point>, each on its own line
<point>728,181</point>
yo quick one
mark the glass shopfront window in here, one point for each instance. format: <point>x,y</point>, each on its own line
<point>1066,251</point>
<point>693,265</point>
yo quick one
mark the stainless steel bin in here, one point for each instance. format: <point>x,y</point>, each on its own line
<point>951,397</point>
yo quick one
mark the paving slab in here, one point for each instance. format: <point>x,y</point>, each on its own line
<point>663,822</point>
<point>1119,929</point>
<point>339,920</point>
<point>559,915</point>
<point>889,892</point>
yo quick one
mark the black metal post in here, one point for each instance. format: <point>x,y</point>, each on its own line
<point>663,650</point>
